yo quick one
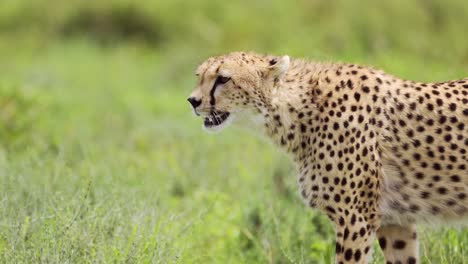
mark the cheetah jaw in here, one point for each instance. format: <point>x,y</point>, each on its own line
<point>217,123</point>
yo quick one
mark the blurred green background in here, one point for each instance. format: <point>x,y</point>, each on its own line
<point>101,159</point>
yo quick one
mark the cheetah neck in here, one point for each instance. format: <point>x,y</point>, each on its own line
<point>291,110</point>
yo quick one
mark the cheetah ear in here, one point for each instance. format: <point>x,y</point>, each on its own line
<point>279,66</point>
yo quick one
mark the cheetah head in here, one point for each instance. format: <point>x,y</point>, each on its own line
<point>234,85</point>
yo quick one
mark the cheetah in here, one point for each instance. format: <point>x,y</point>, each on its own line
<point>375,153</point>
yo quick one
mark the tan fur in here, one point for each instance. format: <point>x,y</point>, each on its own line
<point>376,153</point>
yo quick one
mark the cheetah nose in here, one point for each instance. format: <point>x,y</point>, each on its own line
<point>194,102</point>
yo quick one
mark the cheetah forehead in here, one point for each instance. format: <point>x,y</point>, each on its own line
<point>233,60</point>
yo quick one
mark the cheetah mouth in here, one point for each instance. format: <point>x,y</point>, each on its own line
<point>217,120</point>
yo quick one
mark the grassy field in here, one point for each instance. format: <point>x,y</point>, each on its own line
<point>101,159</point>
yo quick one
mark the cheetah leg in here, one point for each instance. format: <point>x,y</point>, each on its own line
<point>399,243</point>
<point>354,241</point>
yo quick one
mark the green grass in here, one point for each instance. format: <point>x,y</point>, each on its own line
<point>116,169</point>
<point>101,159</point>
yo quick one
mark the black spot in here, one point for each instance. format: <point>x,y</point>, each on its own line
<point>330,209</point>
<point>340,166</point>
<point>360,118</point>
<point>357,255</point>
<point>362,231</point>
<point>357,96</point>
<point>425,195</point>
<point>366,250</point>
<point>341,221</point>
<point>399,244</point>
<point>455,178</point>
<point>353,218</point>
<point>303,128</point>
<point>337,198</point>
<point>429,139</point>
<point>382,243</point>
<point>453,107</point>
<point>442,119</point>
<point>414,208</point>
<point>338,248</point>
<point>336,126</point>
<point>348,254</point>
<point>442,190</point>
<point>346,233</point>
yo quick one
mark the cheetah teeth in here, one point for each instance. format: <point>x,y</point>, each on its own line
<point>216,120</point>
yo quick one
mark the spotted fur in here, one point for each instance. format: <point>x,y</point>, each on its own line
<point>376,153</point>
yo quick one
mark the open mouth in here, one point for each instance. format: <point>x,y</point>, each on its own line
<point>216,119</point>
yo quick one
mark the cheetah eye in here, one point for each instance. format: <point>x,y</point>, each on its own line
<point>223,79</point>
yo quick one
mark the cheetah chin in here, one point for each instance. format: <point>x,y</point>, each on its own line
<point>217,122</point>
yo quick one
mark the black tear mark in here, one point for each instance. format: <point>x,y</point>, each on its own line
<point>212,98</point>
<point>217,81</point>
